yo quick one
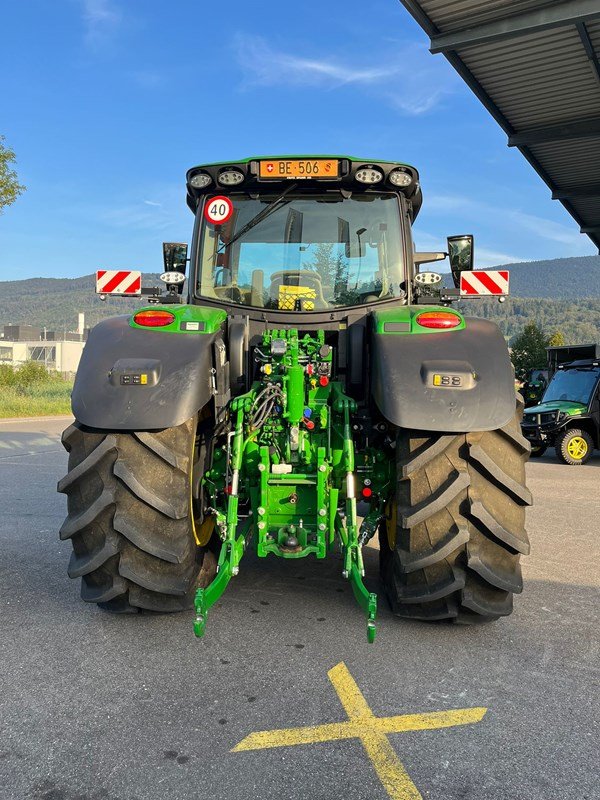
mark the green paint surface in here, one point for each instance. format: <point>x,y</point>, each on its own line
<point>568,407</point>
<point>407,316</point>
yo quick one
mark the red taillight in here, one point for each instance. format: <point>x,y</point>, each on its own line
<point>367,492</point>
<point>438,319</point>
<point>153,318</point>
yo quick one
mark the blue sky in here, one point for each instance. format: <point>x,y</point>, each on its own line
<point>108,102</point>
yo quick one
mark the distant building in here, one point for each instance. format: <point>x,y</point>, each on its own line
<point>65,336</point>
<point>58,351</point>
<point>56,356</point>
<point>22,333</point>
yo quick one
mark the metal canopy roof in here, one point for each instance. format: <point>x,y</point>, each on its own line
<point>535,65</point>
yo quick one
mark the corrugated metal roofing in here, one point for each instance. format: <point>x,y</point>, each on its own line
<point>535,65</point>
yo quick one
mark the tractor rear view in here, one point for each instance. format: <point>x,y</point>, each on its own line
<point>314,366</point>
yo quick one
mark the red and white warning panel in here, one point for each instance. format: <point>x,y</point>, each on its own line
<point>126,282</point>
<point>484,282</point>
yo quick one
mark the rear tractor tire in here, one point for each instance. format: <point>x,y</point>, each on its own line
<point>450,549</point>
<point>130,520</point>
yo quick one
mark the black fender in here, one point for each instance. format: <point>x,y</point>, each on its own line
<point>177,383</point>
<point>403,366</point>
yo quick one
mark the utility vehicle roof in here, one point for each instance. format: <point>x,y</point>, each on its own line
<point>348,167</point>
<point>535,66</point>
<point>586,363</point>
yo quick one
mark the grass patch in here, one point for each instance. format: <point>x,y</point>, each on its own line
<point>32,391</point>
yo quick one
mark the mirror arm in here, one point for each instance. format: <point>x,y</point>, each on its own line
<point>428,258</point>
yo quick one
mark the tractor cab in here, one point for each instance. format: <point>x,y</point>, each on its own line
<point>302,235</point>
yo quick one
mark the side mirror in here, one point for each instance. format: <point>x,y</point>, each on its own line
<point>175,260</point>
<point>175,256</point>
<point>461,254</point>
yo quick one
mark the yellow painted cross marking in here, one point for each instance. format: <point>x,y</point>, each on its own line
<point>371,730</point>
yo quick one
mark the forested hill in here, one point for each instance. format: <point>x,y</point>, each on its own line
<point>562,294</point>
<point>55,302</point>
<point>559,279</point>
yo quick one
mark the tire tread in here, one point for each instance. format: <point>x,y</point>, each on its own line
<point>461,503</point>
<point>129,518</point>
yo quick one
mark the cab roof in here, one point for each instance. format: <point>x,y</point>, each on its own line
<point>345,179</point>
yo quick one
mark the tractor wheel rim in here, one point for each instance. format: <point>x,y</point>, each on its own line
<point>577,448</point>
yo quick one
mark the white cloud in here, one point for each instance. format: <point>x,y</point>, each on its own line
<point>135,218</point>
<point>548,229</point>
<point>167,212</point>
<point>445,202</point>
<point>493,258</point>
<point>101,18</point>
<point>411,91</point>
<point>477,212</point>
<point>267,67</point>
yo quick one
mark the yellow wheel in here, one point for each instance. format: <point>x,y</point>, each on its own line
<point>577,447</point>
<point>574,447</point>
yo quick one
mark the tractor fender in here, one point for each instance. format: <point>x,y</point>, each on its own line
<point>107,393</point>
<point>403,384</point>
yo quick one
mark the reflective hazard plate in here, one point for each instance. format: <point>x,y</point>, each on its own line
<point>484,282</point>
<point>295,169</point>
<point>121,282</point>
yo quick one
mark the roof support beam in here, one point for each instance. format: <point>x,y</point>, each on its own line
<point>589,48</point>
<point>576,193</point>
<point>580,129</point>
<point>568,12</point>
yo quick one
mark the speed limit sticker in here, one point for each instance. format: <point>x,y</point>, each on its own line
<point>218,210</point>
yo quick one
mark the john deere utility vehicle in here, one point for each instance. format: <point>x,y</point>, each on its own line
<point>568,416</point>
<point>315,390</point>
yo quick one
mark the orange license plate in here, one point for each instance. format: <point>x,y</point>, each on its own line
<point>305,168</point>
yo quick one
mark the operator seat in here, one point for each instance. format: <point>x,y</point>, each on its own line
<point>303,279</point>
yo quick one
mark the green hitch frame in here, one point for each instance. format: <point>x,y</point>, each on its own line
<point>302,453</point>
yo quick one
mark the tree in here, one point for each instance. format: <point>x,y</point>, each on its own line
<point>10,188</point>
<point>332,267</point>
<point>557,339</point>
<point>529,349</point>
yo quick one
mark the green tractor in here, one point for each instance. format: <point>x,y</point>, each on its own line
<point>534,386</point>
<point>316,390</point>
<point>568,415</point>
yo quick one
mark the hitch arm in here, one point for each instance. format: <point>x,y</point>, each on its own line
<point>233,546</point>
<point>349,535</point>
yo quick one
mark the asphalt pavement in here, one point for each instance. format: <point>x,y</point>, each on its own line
<point>99,707</point>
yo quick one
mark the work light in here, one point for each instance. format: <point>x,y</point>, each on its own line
<point>200,180</point>
<point>398,177</point>
<point>368,175</point>
<point>230,177</point>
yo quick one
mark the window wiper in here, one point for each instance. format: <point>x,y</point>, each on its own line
<point>256,220</point>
